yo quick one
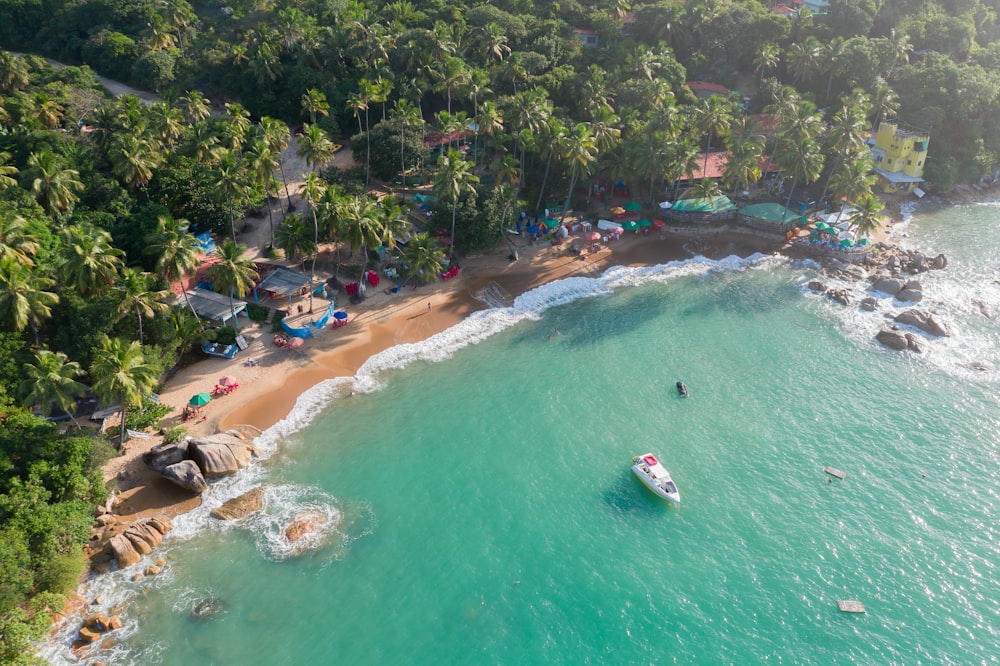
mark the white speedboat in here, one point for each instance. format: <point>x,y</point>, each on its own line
<point>655,476</point>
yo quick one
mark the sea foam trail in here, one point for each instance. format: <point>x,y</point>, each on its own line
<point>116,588</point>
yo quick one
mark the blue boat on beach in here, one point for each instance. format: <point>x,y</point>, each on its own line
<point>218,349</point>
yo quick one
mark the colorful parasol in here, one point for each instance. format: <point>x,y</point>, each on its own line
<point>200,399</point>
<point>633,206</point>
<point>659,224</point>
<point>592,236</point>
<point>228,380</point>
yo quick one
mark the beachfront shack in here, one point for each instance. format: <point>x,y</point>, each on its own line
<point>770,217</point>
<point>702,211</point>
<point>216,307</point>
<point>283,282</point>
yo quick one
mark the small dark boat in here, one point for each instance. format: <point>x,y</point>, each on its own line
<point>682,390</point>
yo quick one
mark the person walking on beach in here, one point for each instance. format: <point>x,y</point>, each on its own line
<point>428,307</point>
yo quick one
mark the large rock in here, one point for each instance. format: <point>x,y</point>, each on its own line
<point>240,507</point>
<point>889,285</point>
<point>939,262</point>
<point>923,320</point>
<point>306,523</point>
<point>222,454</point>
<point>164,455</point>
<point>186,474</point>
<point>910,295</point>
<point>123,550</point>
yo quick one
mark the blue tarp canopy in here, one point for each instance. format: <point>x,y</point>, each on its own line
<point>205,243</point>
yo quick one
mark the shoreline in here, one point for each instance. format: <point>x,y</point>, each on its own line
<point>268,390</point>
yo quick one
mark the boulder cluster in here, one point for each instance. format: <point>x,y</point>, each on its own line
<point>190,462</point>
<point>890,272</point>
<point>128,543</point>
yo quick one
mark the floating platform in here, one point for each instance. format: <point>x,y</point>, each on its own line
<point>850,606</point>
<point>833,471</point>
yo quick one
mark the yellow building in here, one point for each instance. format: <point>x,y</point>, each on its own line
<point>899,156</point>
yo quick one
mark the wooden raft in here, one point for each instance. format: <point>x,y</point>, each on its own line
<point>833,471</point>
<point>850,606</point>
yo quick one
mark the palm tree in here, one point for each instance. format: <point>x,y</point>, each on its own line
<point>120,372</point>
<point>314,189</point>
<point>294,237</point>
<point>195,107</point>
<point>139,298</point>
<point>229,176</point>
<point>767,57</point>
<point>847,135</point>
<point>237,125</point>
<point>804,58</point>
<point>547,138</point>
<point>408,115</point>
<point>16,242</point>
<point>454,179</point>
<point>261,163</point>
<point>48,112</point>
<point>579,149</point>
<point>852,179</point>
<point>133,159</point>
<point>683,162</point>
<point>315,147</point>
<point>424,259</point>
<point>88,260</point>
<point>14,73</point>
<point>7,171</point>
<point>53,186</point>
<point>25,299</point>
<point>867,220</point>
<point>234,273</point>
<point>452,73</point>
<point>362,225</point>
<point>712,115</point>
<point>495,42</point>
<point>177,250</point>
<point>276,135</point>
<point>803,161</point>
<point>314,102</point>
<point>50,381</point>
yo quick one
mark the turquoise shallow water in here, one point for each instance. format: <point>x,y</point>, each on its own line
<point>480,508</point>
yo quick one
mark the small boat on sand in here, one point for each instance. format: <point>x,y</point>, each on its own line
<point>655,476</point>
<point>682,390</point>
<point>217,349</point>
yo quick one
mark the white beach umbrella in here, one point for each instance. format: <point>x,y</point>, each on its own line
<point>665,205</point>
<point>847,234</point>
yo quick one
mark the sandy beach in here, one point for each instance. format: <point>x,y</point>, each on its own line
<point>268,389</point>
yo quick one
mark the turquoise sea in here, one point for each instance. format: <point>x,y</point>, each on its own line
<point>478,506</point>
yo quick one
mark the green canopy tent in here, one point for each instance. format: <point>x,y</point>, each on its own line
<point>633,206</point>
<point>200,399</point>
<point>630,225</point>
<point>704,205</point>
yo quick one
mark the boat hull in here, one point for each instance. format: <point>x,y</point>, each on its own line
<point>655,487</point>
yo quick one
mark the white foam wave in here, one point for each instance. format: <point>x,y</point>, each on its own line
<point>288,504</point>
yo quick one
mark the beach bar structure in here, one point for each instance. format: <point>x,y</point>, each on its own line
<point>770,217</point>
<point>214,306</point>
<point>706,210</point>
<point>283,282</point>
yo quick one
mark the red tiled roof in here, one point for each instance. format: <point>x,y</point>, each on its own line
<point>584,31</point>
<point>440,138</point>
<point>705,86</point>
<point>717,162</point>
<point>782,10</point>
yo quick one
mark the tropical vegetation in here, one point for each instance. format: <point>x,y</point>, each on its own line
<point>490,108</point>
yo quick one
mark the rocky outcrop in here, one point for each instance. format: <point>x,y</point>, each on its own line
<point>240,507</point>
<point>222,454</point>
<point>304,525</point>
<point>186,474</point>
<point>190,462</point>
<point>889,285</point>
<point>96,625</point>
<point>138,539</point>
<point>924,321</point>
<point>895,338</point>
<point>841,296</point>
<point>164,455</point>
<point>816,285</point>
<point>870,304</point>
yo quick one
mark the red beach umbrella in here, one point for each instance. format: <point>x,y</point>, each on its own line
<point>592,236</point>
<point>659,224</point>
<point>228,380</point>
